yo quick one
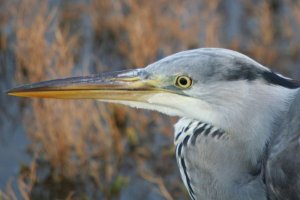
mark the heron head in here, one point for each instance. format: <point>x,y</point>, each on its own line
<point>200,83</point>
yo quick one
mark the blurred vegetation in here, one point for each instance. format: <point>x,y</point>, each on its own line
<point>88,150</point>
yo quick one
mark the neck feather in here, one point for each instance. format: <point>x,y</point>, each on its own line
<point>246,120</point>
<point>246,111</point>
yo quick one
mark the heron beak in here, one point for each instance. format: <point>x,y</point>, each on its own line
<point>130,85</point>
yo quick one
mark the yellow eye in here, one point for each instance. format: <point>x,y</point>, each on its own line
<point>183,82</point>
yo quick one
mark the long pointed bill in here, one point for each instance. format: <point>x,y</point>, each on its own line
<point>131,85</point>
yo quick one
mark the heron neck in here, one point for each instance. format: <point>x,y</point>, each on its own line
<point>249,116</point>
<point>229,165</point>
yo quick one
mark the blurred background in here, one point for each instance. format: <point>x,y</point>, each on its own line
<point>83,149</point>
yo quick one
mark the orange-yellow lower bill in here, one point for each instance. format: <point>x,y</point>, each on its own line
<point>129,85</point>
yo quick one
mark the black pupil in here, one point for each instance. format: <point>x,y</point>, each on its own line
<point>183,81</point>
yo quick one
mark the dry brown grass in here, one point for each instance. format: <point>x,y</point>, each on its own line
<point>273,43</point>
<point>145,29</point>
<point>67,134</point>
<point>262,46</point>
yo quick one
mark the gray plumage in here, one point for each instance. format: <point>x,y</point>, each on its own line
<point>216,163</point>
<point>282,165</point>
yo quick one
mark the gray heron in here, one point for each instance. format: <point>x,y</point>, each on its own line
<point>238,136</point>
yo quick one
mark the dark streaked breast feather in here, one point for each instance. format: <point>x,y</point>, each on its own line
<point>188,181</point>
<point>197,132</point>
<point>282,171</point>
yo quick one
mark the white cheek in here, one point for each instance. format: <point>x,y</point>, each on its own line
<point>143,105</point>
<point>185,106</point>
<point>176,105</point>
